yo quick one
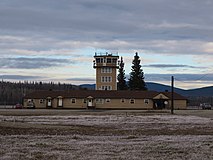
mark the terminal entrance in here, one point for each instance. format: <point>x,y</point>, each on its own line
<point>90,102</point>
<point>159,103</point>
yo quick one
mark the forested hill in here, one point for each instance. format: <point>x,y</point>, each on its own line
<point>13,92</point>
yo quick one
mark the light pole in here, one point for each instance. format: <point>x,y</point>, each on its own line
<point>172,95</point>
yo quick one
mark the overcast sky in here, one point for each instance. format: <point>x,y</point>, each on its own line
<point>55,40</point>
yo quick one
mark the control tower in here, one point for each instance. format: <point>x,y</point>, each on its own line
<point>106,65</point>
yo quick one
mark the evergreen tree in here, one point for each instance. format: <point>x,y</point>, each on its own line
<point>121,77</point>
<point>136,80</point>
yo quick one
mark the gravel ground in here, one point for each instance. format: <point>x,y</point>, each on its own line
<point>80,134</point>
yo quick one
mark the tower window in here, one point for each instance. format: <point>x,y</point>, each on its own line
<point>98,60</point>
<point>106,87</point>
<point>106,70</point>
<point>102,79</point>
<point>114,60</point>
<point>106,79</point>
<point>109,60</point>
<point>109,79</point>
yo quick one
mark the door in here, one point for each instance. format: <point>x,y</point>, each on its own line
<point>49,103</point>
<point>159,104</point>
<point>89,103</point>
<point>60,102</point>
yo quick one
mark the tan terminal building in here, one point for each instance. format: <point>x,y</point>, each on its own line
<point>106,95</point>
<point>98,99</point>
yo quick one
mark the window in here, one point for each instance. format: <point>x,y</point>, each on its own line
<point>102,79</point>
<point>131,101</point>
<point>98,60</point>
<point>122,100</point>
<point>41,101</point>
<point>109,60</point>
<point>114,60</point>
<point>85,100</point>
<point>109,79</point>
<point>104,60</point>
<point>109,70</point>
<point>73,100</point>
<point>146,101</point>
<point>102,70</point>
<point>99,101</point>
<point>106,70</point>
<point>107,100</point>
<point>106,87</point>
<point>106,79</point>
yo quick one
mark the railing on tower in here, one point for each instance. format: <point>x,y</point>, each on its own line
<point>106,54</point>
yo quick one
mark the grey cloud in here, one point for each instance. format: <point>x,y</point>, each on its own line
<point>20,77</point>
<point>172,66</point>
<point>180,77</point>
<point>31,63</point>
<point>127,20</point>
<point>61,28</point>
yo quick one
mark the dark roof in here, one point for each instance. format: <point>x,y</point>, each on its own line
<point>99,94</point>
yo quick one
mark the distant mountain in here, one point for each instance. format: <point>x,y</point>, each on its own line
<point>205,91</point>
<point>161,87</point>
<point>88,86</point>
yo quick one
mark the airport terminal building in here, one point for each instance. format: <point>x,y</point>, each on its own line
<point>106,95</point>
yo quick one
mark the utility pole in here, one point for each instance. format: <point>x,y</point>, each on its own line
<point>172,97</point>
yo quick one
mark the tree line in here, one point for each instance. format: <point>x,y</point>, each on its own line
<point>136,77</point>
<point>13,92</point>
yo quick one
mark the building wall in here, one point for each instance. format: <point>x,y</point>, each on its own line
<point>111,104</point>
<point>113,75</point>
<point>118,104</point>
<point>79,103</point>
<point>179,104</point>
